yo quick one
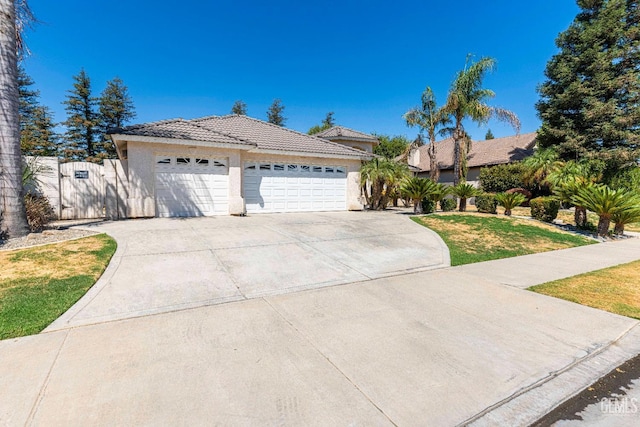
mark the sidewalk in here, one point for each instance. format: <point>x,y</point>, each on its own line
<point>445,347</point>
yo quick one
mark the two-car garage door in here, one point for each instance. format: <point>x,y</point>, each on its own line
<point>199,186</point>
<point>286,187</point>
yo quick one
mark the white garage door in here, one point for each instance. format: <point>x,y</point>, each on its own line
<point>283,187</point>
<point>191,186</point>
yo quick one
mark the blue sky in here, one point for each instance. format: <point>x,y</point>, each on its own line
<point>367,61</point>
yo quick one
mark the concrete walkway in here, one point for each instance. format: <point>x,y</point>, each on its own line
<point>439,348</point>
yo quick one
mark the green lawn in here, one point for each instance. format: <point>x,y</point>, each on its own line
<point>38,284</point>
<point>477,237</point>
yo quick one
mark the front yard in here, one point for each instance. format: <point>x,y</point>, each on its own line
<point>477,237</point>
<point>38,284</point>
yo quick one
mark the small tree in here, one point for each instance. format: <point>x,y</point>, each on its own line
<point>274,113</point>
<point>379,178</point>
<point>488,135</point>
<point>624,217</point>
<point>509,201</point>
<point>606,203</point>
<point>239,107</point>
<point>327,123</point>
<point>417,189</point>
<point>464,191</point>
<point>391,147</point>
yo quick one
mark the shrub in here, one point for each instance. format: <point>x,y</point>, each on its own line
<point>544,208</point>
<point>500,178</point>
<point>464,191</point>
<point>448,204</point>
<point>39,211</point>
<point>428,206</point>
<point>487,203</point>
<point>509,201</point>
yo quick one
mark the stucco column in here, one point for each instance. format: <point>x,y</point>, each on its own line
<point>236,201</point>
<point>354,197</point>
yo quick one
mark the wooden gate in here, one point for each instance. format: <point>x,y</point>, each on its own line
<point>82,190</point>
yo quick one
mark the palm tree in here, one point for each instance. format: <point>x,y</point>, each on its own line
<point>13,215</point>
<point>378,178</point>
<point>429,117</point>
<point>464,191</point>
<point>509,201</point>
<point>467,100</point>
<point>542,165</point>
<point>417,189</point>
<point>606,203</point>
<point>438,192</point>
<point>624,217</point>
<point>566,191</point>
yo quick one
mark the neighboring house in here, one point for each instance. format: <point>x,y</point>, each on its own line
<point>350,138</point>
<point>483,153</point>
<point>234,164</point>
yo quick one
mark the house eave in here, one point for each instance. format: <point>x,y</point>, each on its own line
<point>122,139</point>
<point>364,156</point>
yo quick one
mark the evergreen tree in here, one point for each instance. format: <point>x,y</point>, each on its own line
<point>239,107</point>
<point>327,123</point>
<point>489,135</point>
<point>115,109</point>
<point>391,147</point>
<point>590,102</point>
<point>274,113</point>
<point>82,121</point>
<point>37,128</point>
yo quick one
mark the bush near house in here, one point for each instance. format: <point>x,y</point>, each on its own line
<point>39,211</point>
<point>448,204</point>
<point>487,203</point>
<point>428,206</point>
<point>500,178</point>
<point>544,208</point>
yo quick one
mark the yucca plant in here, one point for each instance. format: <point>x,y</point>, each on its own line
<point>464,191</point>
<point>509,201</point>
<point>416,189</point>
<point>606,203</point>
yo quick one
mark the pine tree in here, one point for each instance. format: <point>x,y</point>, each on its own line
<point>239,107</point>
<point>82,121</point>
<point>274,113</point>
<point>37,128</point>
<point>327,123</point>
<point>489,135</point>
<point>590,102</point>
<point>115,110</point>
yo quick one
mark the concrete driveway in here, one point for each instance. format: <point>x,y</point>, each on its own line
<point>167,264</point>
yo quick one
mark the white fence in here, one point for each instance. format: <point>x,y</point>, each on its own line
<point>82,190</point>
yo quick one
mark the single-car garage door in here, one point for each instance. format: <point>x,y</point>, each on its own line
<point>285,187</point>
<point>191,186</point>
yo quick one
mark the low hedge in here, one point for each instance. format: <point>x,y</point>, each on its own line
<point>544,208</point>
<point>448,204</point>
<point>428,206</point>
<point>487,203</point>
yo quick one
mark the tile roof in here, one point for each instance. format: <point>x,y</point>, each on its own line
<point>180,129</point>
<point>271,137</point>
<point>341,132</point>
<point>483,153</point>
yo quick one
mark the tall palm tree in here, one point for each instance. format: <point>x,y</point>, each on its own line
<point>12,211</point>
<point>428,117</point>
<point>467,100</point>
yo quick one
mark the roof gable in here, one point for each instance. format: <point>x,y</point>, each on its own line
<point>270,137</point>
<point>343,133</point>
